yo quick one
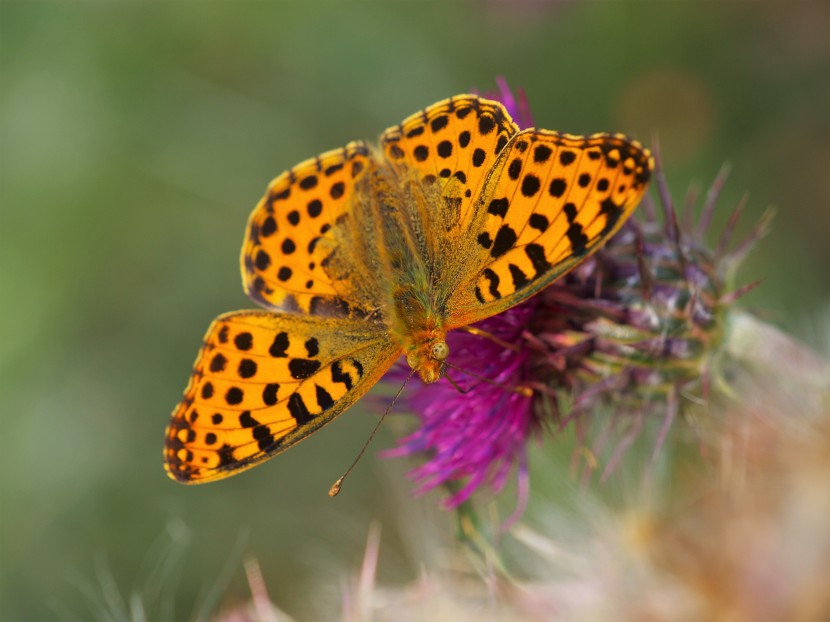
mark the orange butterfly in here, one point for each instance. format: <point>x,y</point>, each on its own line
<point>361,255</point>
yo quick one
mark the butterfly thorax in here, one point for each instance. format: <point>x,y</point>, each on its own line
<point>421,334</point>
<point>414,265</point>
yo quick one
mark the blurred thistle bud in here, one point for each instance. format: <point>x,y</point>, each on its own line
<point>641,325</point>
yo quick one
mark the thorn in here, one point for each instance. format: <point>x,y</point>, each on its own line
<point>706,383</point>
<point>689,311</point>
<point>598,283</point>
<point>622,447</point>
<point>729,298</point>
<point>712,198</point>
<point>688,209</point>
<point>678,245</point>
<point>663,191</point>
<point>646,277</point>
<point>729,229</point>
<point>647,206</point>
<point>542,389</point>
<point>671,412</point>
<point>759,231</point>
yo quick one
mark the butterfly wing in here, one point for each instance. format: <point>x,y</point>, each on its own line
<point>550,201</point>
<point>263,382</point>
<point>451,145</point>
<point>294,232</point>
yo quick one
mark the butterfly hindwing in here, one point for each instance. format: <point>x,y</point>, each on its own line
<point>451,145</point>
<point>550,201</point>
<point>263,381</point>
<point>293,231</point>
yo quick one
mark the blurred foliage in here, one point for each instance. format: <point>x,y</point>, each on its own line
<point>135,139</point>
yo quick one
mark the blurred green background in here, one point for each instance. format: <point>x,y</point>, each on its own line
<point>137,136</point>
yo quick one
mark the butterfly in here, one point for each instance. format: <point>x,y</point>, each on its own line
<point>364,254</point>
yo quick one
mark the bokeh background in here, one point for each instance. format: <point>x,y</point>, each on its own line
<point>137,136</point>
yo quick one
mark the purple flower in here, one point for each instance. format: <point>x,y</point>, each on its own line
<point>516,104</point>
<point>479,435</point>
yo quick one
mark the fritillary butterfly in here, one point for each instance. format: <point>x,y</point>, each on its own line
<point>362,254</point>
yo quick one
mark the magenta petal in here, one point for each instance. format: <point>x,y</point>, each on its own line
<point>478,437</point>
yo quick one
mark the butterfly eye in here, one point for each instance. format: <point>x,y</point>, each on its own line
<point>440,350</point>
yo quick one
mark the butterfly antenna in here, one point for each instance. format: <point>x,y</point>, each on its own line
<point>335,487</point>
<point>456,386</point>
<point>521,390</point>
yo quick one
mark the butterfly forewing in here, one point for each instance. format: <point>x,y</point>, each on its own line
<point>292,234</point>
<point>452,145</point>
<point>550,201</point>
<point>263,382</point>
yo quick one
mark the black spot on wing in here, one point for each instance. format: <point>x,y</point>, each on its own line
<point>536,254</point>
<point>312,346</point>
<point>243,341</point>
<point>514,169</point>
<point>298,409</point>
<point>331,170</point>
<point>217,364</point>
<point>324,399</point>
<point>567,157</point>
<point>494,280</point>
<point>439,123</point>
<point>234,396</point>
<point>577,238</point>
<point>338,375</point>
<point>519,278</point>
<point>246,420</point>
<point>269,393</point>
<point>266,442</point>
<point>478,157</point>
<point>498,207</point>
<point>530,185</point>
<point>269,227</point>
<point>303,368</point>
<point>279,346</point>
<point>539,222</point>
<point>541,153</point>
<point>505,239</point>
<point>247,368</point>
<point>612,212</point>
<point>308,182</point>
<point>557,187</point>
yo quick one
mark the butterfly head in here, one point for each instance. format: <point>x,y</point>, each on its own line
<point>427,358</point>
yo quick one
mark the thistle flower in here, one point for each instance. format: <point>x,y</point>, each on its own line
<point>639,326</point>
